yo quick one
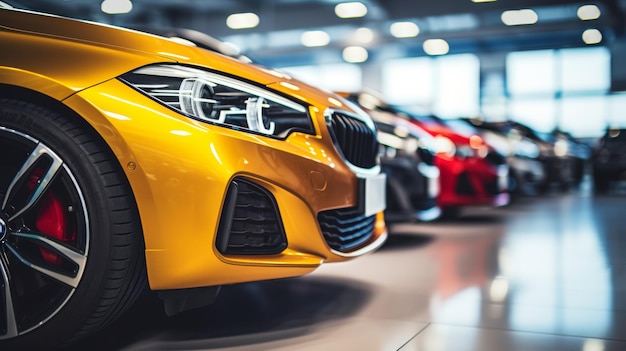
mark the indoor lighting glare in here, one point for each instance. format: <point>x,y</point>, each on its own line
<point>355,54</point>
<point>242,20</point>
<point>499,289</point>
<point>364,35</point>
<point>593,345</point>
<point>114,7</point>
<point>350,10</point>
<point>404,29</point>
<point>592,36</point>
<point>315,38</point>
<point>588,12</point>
<point>436,47</point>
<point>519,17</point>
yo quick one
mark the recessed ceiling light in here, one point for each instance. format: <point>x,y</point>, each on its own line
<point>364,35</point>
<point>404,29</point>
<point>355,54</point>
<point>242,20</point>
<point>350,10</point>
<point>592,36</point>
<point>315,38</point>
<point>114,7</point>
<point>519,17</point>
<point>588,12</point>
<point>483,0</point>
<point>436,47</point>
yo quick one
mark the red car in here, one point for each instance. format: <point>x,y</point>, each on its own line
<point>471,171</point>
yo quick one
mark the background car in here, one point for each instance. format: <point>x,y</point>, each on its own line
<point>609,159</point>
<point>576,152</point>
<point>559,167</point>
<point>407,158</point>
<point>526,170</point>
<point>130,160</point>
<point>471,172</point>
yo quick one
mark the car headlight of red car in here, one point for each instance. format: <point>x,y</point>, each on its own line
<point>444,145</point>
<point>221,100</point>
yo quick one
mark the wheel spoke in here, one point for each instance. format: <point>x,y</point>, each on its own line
<point>37,155</point>
<point>8,301</point>
<point>77,258</point>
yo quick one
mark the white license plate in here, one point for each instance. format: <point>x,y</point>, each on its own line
<point>372,194</point>
<point>503,178</point>
<point>431,176</point>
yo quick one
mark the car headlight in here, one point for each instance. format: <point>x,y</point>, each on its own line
<point>444,145</point>
<point>561,148</point>
<point>221,100</point>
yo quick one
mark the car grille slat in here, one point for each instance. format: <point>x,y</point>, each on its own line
<point>356,141</point>
<point>346,229</point>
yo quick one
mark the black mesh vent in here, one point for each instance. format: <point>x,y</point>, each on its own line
<point>464,186</point>
<point>346,229</point>
<point>355,139</point>
<point>250,223</point>
<point>492,187</point>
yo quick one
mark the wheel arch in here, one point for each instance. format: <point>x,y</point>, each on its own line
<point>122,283</point>
<point>101,129</point>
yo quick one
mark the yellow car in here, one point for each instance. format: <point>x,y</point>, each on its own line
<point>128,159</point>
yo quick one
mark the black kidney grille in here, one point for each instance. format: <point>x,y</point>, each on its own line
<point>250,221</point>
<point>346,229</point>
<point>355,139</point>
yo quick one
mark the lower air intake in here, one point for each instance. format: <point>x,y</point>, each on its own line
<point>346,229</point>
<point>250,223</point>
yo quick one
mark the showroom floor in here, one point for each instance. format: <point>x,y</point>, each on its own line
<point>545,273</point>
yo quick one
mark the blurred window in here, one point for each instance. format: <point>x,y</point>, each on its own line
<point>565,89</point>
<point>585,70</point>
<point>531,73</point>
<point>447,86</point>
<point>334,77</point>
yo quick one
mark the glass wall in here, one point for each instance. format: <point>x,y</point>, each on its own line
<point>447,86</point>
<point>566,89</point>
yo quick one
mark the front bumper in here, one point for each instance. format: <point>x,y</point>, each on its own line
<point>472,181</point>
<point>412,190</point>
<point>180,170</point>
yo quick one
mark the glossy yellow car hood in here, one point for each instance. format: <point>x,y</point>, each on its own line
<point>116,51</point>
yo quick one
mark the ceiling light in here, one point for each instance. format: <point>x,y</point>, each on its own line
<point>242,20</point>
<point>404,29</point>
<point>114,7</point>
<point>355,54</point>
<point>588,12</point>
<point>436,47</point>
<point>519,17</point>
<point>315,38</point>
<point>483,0</point>
<point>592,36</point>
<point>364,35</point>
<point>350,10</point>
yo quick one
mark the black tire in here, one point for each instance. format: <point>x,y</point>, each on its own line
<point>71,247</point>
<point>450,213</point>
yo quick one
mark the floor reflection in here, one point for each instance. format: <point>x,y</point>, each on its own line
<point>264,310</point>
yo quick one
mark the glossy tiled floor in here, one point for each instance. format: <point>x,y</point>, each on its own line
<point>545,273</point>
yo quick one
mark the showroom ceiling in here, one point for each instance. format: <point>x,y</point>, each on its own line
<point>466,26</point>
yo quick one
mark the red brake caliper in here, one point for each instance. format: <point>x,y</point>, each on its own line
<point>51,219</point>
